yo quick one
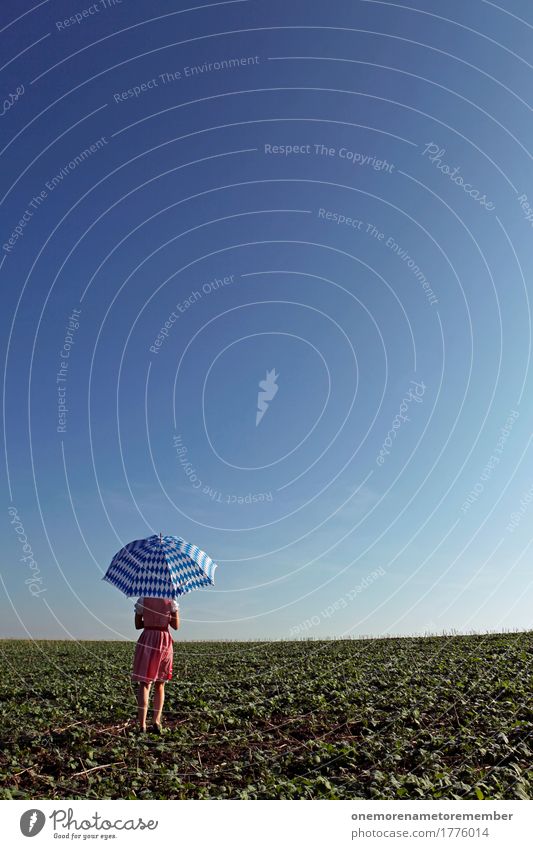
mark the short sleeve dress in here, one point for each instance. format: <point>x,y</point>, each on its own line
<point>154,650</point>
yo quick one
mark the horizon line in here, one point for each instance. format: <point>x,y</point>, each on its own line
<point>354,638</point>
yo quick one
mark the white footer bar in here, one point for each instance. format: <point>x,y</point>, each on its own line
<point>280,824</point>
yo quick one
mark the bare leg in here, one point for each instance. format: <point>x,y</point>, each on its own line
<point>159,700</point>
<point>143,694</point>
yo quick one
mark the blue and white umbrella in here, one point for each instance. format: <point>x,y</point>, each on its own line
<point>160,567</point>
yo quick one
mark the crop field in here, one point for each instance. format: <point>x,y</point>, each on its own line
<point>408,718</point>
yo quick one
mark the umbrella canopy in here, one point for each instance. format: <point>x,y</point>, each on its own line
<point>160,567</point>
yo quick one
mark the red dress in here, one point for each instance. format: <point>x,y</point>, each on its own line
<point>154,650</point>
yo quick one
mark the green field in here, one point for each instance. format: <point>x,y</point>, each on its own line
<point>410,718</point>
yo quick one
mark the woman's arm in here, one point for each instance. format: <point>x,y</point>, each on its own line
<point>175,619</point>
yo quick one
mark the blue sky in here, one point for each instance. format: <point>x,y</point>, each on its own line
<point>341,196</point>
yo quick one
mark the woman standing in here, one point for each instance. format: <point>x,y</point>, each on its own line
<point>152,662</point>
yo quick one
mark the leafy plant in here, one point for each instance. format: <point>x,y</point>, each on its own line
<point>430,718</point>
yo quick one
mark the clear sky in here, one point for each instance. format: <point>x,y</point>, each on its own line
<point>335,199</point>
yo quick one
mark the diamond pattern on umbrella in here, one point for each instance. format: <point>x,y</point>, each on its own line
<point>160,567</point>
